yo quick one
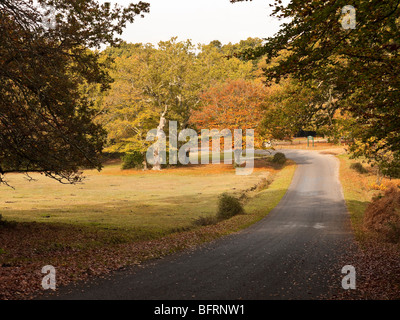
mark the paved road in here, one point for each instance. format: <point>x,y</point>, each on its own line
<point>296,252</point>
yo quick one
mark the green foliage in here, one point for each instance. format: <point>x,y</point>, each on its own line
<point>133,161</point>
<point>215,66</point>
<point>124,111</point>
<point>243,49</point>
<point>228,206</point>
<point>288,109</point>
<point>358,167</point>
<point>47,123</point>
<point>356,69</point>
<point>279,158</point>
<point>379,155</point>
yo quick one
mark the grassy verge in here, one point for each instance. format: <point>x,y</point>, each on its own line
<point>356,193</point>
<point>359,189</point>
<point>263,202</point>
<point>377,262</point>
<point>90,235</point>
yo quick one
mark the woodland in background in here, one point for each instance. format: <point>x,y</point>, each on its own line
<point>351,74</point>
<point>341,83</point>
<point>199,87</point>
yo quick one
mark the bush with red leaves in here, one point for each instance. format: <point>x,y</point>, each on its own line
<point>383,215</point>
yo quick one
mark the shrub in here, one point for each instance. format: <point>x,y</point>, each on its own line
<point>358,167</point>
<point>377,187</point>
<point>7,224</point>
<point>132,161</point>
<point>228,206</point>
<point>383,215</point>
<point>279,158</point>
<point>264,184</point>
<point>205,221</point>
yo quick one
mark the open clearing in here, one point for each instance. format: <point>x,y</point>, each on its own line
<point>155,202</point>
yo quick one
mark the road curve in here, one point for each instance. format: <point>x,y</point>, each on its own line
<point>296,252</point>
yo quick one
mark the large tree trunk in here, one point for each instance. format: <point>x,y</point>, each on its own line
<point>145,165</point>
<point>379,176</point>
<point>160,133</point>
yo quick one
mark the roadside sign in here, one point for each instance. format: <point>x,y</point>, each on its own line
<point>310,138</point>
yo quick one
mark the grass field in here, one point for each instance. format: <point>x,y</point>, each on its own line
<point>152,202</point>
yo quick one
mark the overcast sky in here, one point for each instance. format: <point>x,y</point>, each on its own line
<point>202,21</point>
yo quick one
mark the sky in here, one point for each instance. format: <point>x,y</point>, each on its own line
<point>201,21</point>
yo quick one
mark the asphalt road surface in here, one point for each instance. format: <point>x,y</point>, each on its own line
<point>296,252</point>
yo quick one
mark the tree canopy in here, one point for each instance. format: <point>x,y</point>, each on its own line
<point>156,85</point>
<point>357,67</point>
<point>234,104</point>
<point>46,124</point>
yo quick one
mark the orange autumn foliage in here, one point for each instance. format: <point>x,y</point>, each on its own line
<point>382,214</point>
<point>236,104</point>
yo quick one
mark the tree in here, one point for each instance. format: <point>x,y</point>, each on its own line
<point>379,156</point>
<point>288,111</point>
<point>240,49</point>
<point>153,86</point>
<point>46,124</point>
<point>214,66</point>
<point>124,112</point>
<point>360,66</point>
<point>294,106</point>
<point>235,104</point>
